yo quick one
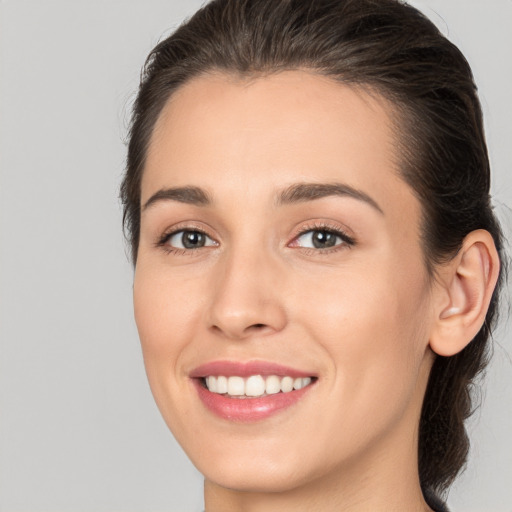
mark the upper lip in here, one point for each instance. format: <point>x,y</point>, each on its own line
<point>247,368</point>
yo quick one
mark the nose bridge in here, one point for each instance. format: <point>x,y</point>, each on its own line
<point>245,296</point>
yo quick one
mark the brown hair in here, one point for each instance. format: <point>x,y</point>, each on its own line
<point>393,49</point>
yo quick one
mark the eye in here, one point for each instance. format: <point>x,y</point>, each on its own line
<point>189,239</point>
<point>322,239</point>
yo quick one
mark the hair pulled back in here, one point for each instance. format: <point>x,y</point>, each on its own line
<point>392,49</point>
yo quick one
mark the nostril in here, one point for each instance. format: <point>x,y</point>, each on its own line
<point>258,326</point>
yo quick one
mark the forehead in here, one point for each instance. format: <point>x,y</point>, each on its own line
<point>230,135</point>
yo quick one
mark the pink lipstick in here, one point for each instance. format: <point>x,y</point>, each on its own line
<point>249,391</point>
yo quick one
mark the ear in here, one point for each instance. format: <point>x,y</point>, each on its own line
<point>465,288</point>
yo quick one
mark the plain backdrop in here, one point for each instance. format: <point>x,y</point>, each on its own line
<point>78,427</point>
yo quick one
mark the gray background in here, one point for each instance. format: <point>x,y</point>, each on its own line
<point>78,427</point>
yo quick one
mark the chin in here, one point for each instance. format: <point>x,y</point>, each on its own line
<point>257,465</point>
<point>257,478</point>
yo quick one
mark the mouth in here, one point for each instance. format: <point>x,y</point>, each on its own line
<point>248,392</point>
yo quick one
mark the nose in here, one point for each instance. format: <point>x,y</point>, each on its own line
<point>247,296</point>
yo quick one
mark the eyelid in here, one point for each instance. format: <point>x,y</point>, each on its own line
<point>171,236</point>
<point>329,226</point>
<point>315,225</point>
<point>162,240</point>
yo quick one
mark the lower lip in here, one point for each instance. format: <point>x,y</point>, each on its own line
<point>246,410</point>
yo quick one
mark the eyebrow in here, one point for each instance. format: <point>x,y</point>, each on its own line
<point>302,192</point>
<point>188,195</point>
<point>297,193</point>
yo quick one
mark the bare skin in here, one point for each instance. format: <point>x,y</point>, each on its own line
<point>359,314</point>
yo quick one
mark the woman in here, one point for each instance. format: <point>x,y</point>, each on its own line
<point>317,262</point>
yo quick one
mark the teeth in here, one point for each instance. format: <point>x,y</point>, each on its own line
<point>286,384</point>
<point>272,384</point>
<point>222,384</point>
<point>255,385</point>
<point>299,383</point>
<point>236,386</point>
<point>212,384</point>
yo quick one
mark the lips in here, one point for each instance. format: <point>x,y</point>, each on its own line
<point>249,391</point>
<point>246,369</point>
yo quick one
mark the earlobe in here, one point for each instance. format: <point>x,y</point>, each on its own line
<point>465,291</point>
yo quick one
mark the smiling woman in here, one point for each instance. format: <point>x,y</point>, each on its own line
<point>316,257</point>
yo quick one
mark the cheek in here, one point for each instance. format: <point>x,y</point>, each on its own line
<point>164,313</point>
<point>372,327</point>
<point>363,308</point>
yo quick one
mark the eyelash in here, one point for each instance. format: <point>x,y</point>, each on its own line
<point>347,241</point>
<point>164,239</point>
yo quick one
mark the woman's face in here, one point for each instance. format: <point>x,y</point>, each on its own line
<point>279,246</point>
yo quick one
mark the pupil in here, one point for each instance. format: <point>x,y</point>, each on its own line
<point>192,239</point>
<point>323,239</point>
